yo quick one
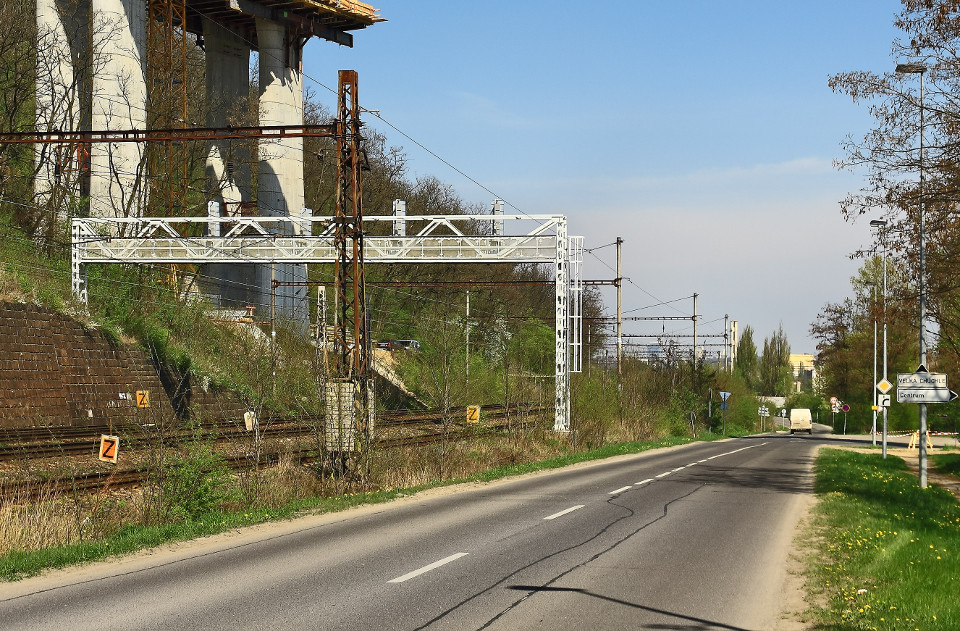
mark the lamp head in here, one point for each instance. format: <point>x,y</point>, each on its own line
<point>911,68</point>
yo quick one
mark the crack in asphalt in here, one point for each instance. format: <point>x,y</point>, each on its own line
<point>630,513</point>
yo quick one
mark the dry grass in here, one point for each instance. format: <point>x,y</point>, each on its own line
<point>44,523</point>
<point>405,467</point>
<point>32,525</point>
<point>11,289</point>
<point>276,486</point>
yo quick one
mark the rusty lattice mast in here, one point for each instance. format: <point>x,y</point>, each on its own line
<point>352,342</point>
<point>167,98</point>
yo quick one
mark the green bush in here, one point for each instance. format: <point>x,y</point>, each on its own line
<point>194,484</point>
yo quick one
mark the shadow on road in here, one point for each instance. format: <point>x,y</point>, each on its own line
<point>777,480</point>
<point>793,474</point>
<point>696,624</point>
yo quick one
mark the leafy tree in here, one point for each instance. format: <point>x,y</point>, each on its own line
<point>844,334</point>
<point>774,374</point>
<point>746,365</point>
<point>890,154</point>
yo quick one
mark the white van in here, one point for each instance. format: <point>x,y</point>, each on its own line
<point>801,421</point>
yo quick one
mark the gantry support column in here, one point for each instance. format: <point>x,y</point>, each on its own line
<point>280,181</point>
<point>228,161</point>
<point>562,375</point>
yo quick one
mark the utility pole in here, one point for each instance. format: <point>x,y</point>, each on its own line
<point>873,430</point>
<point>726,347</point>
<point>918,68</point>
<point>882,225</point>
<point>733,344</point>
<point>273,328</point>
<point>349,393</point>
<point>589,354</point>
<point>619,283</point>
<point>695,329</point>
<point>468,335</point>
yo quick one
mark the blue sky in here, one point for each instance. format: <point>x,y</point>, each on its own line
<point>702,132</point>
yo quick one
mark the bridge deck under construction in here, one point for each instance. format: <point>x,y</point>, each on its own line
<point>339,16</point>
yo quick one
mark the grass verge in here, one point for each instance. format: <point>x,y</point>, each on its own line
<point>888,552</point>
<point>947,463</point>
<point>21,564</point>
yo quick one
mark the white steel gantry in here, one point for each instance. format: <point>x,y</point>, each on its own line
<point>308,239</point>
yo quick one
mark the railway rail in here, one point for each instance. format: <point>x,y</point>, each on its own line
<point>74,441</point>
<point>56,441</point>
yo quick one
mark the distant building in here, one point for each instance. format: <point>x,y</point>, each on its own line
<point>804,371</point>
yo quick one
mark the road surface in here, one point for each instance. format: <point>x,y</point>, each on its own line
<point>695,537</point>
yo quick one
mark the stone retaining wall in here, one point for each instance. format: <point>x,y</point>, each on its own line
<point>53,371</point>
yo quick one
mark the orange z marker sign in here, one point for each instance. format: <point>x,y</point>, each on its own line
<point>473,413</point>
<point>109,448</point>
<point>143,398</point>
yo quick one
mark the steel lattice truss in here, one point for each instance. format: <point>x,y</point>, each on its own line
<point>424,239</point>
<point>349,362</point>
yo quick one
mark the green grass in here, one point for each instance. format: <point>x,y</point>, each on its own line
<point>889,557</point>
<point>18,565</point>
<point>947,463</point>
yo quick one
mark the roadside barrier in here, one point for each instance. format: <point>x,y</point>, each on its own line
<point>908,432</point>
<point>915,441</point>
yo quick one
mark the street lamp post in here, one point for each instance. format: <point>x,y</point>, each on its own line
<point>882,226</point>
<point>916,68</point>
<point>873,307</point>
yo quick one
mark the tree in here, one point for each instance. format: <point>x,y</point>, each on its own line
<point>746,365</point>
<point>890,154</point>
<point>18,38</point>
<point>844,334</point>
<point>774,372</point>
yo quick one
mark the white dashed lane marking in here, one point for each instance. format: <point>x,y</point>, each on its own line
<point>427,568</point>
<point>564,512</point>
<point>657,477</point>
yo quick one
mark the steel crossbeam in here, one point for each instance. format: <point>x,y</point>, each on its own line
<point>265,240</point>
<point>430,239</point>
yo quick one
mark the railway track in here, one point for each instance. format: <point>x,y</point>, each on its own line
<point>98,480</point>
<point>72,443</point>
<point>62,441</point>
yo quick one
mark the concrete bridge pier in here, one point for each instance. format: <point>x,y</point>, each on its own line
<point>118,186</point>
<point>280,177</point>
<point>62,86</point>
<point>228,162</point>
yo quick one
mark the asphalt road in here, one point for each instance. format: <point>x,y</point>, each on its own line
<point>685,538</point>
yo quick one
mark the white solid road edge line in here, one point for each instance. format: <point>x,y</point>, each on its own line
<point>620,490</point>
<point>663,475</point>
<point>564,512</point>
<point>427,568</point>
